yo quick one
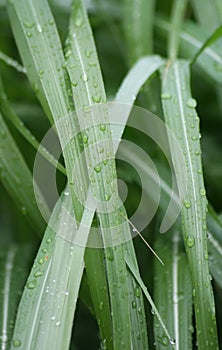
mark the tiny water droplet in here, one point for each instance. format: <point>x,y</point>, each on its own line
<point>52,318</point>
<point>84,77</point>
<point>49,240</point>
<point>187,204</point>
<point>190,241</point>
<point>202,192</point>
<point>97,168</point>
<point>28,24</point>
<point>137,292</point>
<point>39,28</point>
<point>166,96</point>
<point>29,34</point>
<point>105,161</point>
<point>103,127</point>
<point>152,311</point>
<point>38,274</point>
<point>101,305</point>
<point>96,98</point>
<point>16,343</point>
<point>41,71</point>
<point>85,138</point>
<point>194,138</point>
<point>191,102</point>
<point>51,22</point>
<point>134,304</point>
<point>58,323</point>
<point>172,341</point>
<point>24,210</point>
<point>31,284</point>
<point>41,261</point>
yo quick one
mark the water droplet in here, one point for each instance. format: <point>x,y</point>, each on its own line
<point>96,98</point>
<point>51,22</point>
<point>52,318</point>
<point>41,72</point>
<point>202,192</point>
<point>38,274</point>
<point>97,168</point>
<point>95,85</point>
<point>100,149</point>
<point>172,341</point>
<point>84,77</point>
<point>88,53</point>
<point>103,127</point>
<point>39,28</point>
<point>197,153</point>
<point>41,261</point>
<point>28,24</point>
<point>190,241</point>
<point>74,83</point>
<point>49,240</point>
<point>137,291</point>
<point>16,343</point>
<point>194,138</point>
<point>191,102</point>
<point>85,138</point>
<point>103,344</point>
<point>101,305</point>
<point>152,311</point>
<point>206,257</point>
<point>166,96</point>
<point>58,323</point>
<point>134,304</point>
<point>105,161</point>
<point>110,255</point>
<point>31,284</point>
<point>24,210</point>
<point>187,204</point>
<point>29,34</point>
<point>79,19</point>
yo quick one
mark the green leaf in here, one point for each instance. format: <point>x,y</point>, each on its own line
<point>138,22</point>
<point>214,37</point>
<point>174,301</point>
<point>14,261</point>
<point>88,92</point>
<point>177,18</point>
<point>18,181</point>
<point>48,302</point>
<point>176,85</point>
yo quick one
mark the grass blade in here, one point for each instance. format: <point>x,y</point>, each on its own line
<point>138,28</point>
<point>208,14</point>
<point>12,63</point>
<point>174,302</point>
<point>177,85</point>
<point>136,275</point>
<point>83,68</point>
<point>48,303</point>
<point>17,179</point>
<point>13,261</point>
<point>177,17</point>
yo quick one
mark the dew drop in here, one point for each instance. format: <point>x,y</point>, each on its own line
<point>58,323</point>
<point>39,28</point>
<point>41,261</point>
<point>190,241</point>
<point>191,102</point>
<point>134,304</point>
<point>52,318</point>
<point>29,34</point>
<point>31,284</point>
<point>48,240</point>
<point>28,24</point>
<point>101,305</point>
<point>84,77</point>
<point>172,341</point>
<point>194,138</point>
<point>16,343</point>
<point>24,210</point>
<point>202,192</point>
<point>51,22</point>
<point>97,168</point>
<point>105,161</point>
<point>85,138</point>
<point>137,291</point>
<point>166,96</point>
<point>102,127</point>
<point>38,274</point>
<point>96,98</point>
<point>187,204</point>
